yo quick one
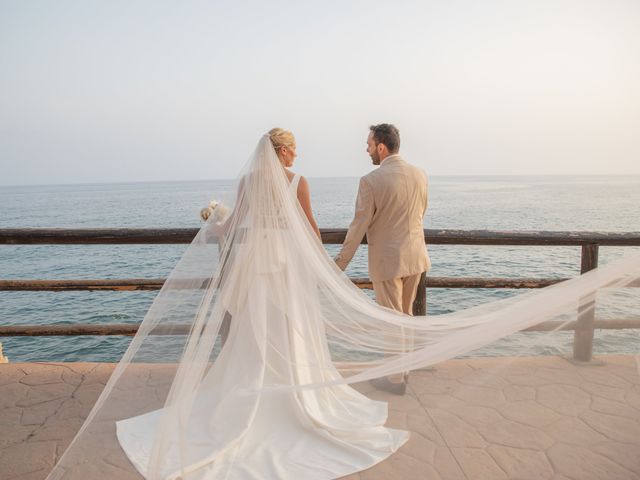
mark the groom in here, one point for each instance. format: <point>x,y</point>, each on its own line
<point>390,209</point>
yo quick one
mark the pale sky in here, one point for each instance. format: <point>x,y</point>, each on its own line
<point>119,91</point>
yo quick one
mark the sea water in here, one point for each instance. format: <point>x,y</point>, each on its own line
<point>552,203</point>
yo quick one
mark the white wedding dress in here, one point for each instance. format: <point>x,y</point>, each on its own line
<point>275,401</point>
<point>281,433</point>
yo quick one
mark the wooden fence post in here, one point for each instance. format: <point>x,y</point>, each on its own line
<point>583,334</point>
<point>420,303</point>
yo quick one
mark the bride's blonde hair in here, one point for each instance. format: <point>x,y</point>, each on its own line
<point>281,138</point>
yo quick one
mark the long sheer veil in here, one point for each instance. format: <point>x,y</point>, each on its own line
<point>292,317</point>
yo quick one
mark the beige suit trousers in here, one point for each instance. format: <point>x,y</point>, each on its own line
<point>397,293</point>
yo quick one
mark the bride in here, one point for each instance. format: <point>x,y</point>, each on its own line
<point>284,433</point>
<point>275,400</point>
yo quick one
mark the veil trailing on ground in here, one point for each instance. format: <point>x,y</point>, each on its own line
<point>180,399</point>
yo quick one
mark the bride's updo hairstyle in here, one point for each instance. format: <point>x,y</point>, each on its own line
<point>281,138</point>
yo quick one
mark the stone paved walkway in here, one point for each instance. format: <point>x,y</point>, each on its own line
<point>529,418</point>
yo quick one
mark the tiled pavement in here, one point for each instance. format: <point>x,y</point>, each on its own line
<point>525,418</point>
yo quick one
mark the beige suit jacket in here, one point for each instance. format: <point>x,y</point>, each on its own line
<point>390,209</point>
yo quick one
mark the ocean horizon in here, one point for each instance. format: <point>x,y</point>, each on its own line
<point>626,176</point>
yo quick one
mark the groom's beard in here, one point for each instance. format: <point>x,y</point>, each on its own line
<point>375,158</point>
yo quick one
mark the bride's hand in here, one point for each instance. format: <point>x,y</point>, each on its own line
<point>216,215</point>
<point>216,229</point>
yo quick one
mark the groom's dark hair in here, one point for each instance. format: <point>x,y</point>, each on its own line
<point>388,135</point>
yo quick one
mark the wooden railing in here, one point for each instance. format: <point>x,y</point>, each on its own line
<point>583,327</point>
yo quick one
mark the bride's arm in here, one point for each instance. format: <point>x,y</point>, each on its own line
<point>304,198</point>
<point>222,228</point>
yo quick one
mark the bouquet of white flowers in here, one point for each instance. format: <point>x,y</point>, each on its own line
<point>216,211</point>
